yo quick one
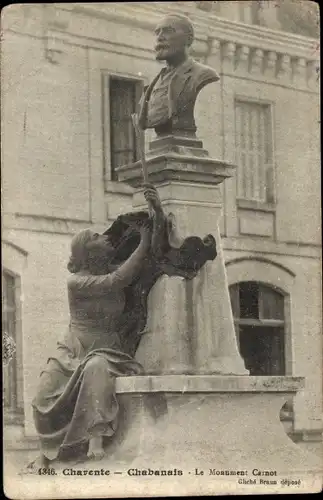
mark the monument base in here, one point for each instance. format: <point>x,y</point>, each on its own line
<point>210,422</point>
<point>196,434</point>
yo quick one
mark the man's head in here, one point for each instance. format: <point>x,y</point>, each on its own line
<point>175,34</point>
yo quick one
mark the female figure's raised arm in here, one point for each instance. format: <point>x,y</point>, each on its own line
<point>158,236</point>
<point>124,275</point>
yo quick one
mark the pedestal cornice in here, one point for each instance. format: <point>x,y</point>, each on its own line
<point>176,167</point>
<point>208,383</point>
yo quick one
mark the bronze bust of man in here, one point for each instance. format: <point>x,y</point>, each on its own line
<point>168,102</point>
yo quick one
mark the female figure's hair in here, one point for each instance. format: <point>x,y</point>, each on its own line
<point>79,254</point>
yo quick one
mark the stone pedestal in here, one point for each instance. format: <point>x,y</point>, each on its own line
<point>207,434</point>
<point>196,423</point>
<point>191,435</point>
<point>197,411</point>
<point>210,422</point>
<point>190,326</point>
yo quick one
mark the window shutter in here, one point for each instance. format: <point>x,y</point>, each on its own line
<point>234,296</point>
<point>254,151</point>
<point>271,303</point>
<point>124,96</point>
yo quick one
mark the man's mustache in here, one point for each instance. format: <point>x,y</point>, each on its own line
<point>161,46</point>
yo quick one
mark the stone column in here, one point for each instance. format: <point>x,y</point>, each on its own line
<point>190,326</point>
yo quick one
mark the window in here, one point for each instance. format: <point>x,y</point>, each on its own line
<point>258,312</point>
<point>254,151</point>
<point>124,95</point>
<point>12,397</point>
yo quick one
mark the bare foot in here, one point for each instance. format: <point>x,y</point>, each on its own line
<point>96,454</point>
<point>96,451</point>
<point>41,462</point>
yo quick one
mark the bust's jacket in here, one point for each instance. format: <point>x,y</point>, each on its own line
<point>186,83</point>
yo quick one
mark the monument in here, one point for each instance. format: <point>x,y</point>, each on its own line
<point>194,409</point>
<point>188,184</point>
<point>196,405</point>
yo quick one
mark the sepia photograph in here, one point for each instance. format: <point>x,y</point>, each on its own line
<point>161,249</point>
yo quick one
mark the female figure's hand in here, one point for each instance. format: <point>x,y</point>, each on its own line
<point>152,197</point>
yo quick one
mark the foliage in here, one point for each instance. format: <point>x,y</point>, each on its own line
<point>300,16</point>
<point>9,348</point>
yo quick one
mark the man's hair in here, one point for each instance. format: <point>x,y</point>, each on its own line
<point>185,23</point>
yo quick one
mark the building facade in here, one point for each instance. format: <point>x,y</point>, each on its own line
<point>72,76</point>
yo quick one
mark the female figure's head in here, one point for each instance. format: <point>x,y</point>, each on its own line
<point>90,251</point>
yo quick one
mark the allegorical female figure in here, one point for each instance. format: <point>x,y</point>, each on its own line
<point>75,406</point>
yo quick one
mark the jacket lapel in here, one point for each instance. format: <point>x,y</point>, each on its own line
<point>143,103</point>
<point>177,85</point>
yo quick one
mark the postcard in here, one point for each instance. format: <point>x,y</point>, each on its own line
<point>161,249</point>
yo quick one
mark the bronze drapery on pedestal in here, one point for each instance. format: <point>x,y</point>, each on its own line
<point>184,260</point>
